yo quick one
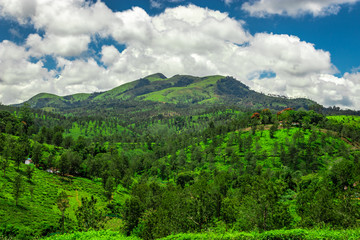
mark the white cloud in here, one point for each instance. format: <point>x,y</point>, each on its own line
<point>21,10</point>
<point>228,2</point>
<point>155,4</point>
<point>294,8</point>
<point>68,24</point>
<point>181,40</point>
<point>19,77</point>
<point>67,46</point>
<point>81,76</point>
<point>75,17</point>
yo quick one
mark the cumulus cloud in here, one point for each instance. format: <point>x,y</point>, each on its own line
<point>182,40</point>
<point>294,8</point>
<point>67,46</point>
<point>75,73</point>
<point>21,10</point>
<point>19,77</point>
<point>68,24</point>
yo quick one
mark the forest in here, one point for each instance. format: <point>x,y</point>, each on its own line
<point>153,170</point>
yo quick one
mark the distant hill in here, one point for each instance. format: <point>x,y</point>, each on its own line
<point>179,89</point>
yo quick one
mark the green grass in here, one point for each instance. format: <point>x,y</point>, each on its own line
<point>294,234</point>
<point>92,235</point>
<point>78,97</point>
<point>198,91</point>
<point>116,93</point>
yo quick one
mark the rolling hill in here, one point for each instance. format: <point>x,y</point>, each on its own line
<point>179,89</point>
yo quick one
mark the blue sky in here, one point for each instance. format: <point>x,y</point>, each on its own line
<point>298,48</point>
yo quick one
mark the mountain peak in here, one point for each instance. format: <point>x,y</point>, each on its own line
<point>156,76</point>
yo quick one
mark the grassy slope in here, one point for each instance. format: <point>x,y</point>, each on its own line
<point>195,91</point>
<point>262,143</point>
<point>40,212</point>
<point>77,97</point>
<point>346,120</point>
<point>115,93</point>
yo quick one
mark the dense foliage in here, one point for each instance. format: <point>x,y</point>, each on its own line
<point>151,170</point>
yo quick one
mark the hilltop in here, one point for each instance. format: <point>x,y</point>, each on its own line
<point>179,89</point>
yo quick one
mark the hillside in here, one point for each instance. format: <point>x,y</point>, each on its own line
<point>36,213</point>
<point>179,89</point>
<point>152,170</point>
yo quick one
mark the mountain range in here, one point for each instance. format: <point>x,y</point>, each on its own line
<point>179,89</point>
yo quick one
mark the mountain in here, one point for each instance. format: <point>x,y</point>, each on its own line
<point>179,89</point>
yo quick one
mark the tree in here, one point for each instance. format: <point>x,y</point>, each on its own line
<point>68,142</point>
<point>29,171</point>
<point>9,128</point>
<point>88,216</point>
<point>133,210</point>
<point>17,188</point>
<point>273,129</point>
<point>36,153</point>
<point>4,164</point>
<point>58,139</point>
<point>19,154</point>
<point>26,116</point>
<point>265,116</point>
<point>69,162</point>
<point>109,187</point>
<point>62,202</point>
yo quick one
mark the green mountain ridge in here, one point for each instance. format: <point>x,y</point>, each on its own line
<point>179,89</point>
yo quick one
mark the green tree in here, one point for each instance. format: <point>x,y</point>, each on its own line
<point>109,187</point>
<point>62,202</point>
<point>201,204</point>
<point>69,162</point>
<point>273,129</point>
<point>133,210</point>
<point>26,116</point>
<point>4,164</point>
<point>88,216</point>
<point>36,153</point>
<point>19,154</point>
<point>9,128</point>
<point>64,163</point>
<point>18,187</point>
<point>68,142</point>
<point>29,170</point>
<point>58,139</point>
